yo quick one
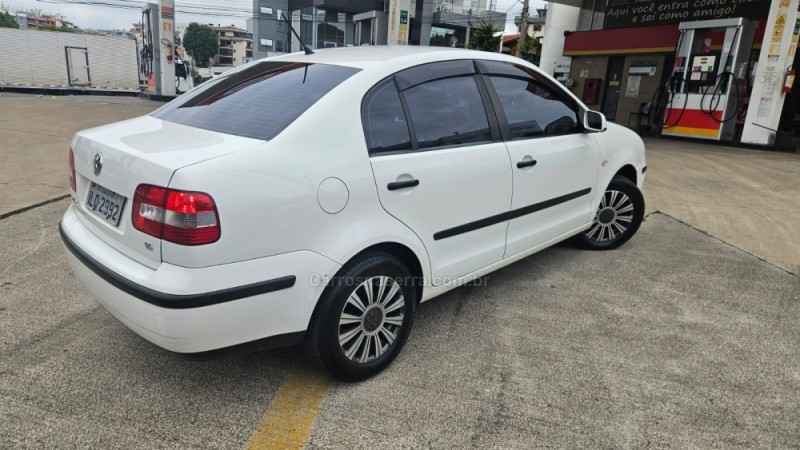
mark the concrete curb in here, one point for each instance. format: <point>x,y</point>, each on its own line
<point>14,212</point>
<point>723,241</point>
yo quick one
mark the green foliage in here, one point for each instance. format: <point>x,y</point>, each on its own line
<point>196,77</point>
<point>201,43</point>
<point>482,37</point>
<point>52,28</point>
<point>7,21</point>
<point>531,50</point>
<point>437,40</point>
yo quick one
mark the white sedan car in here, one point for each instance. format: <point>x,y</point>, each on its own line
<point>320,198</point>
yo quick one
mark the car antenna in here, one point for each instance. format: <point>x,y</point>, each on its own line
<point>305,47</point>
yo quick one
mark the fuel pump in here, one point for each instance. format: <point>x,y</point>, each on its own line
<point>158,53</point>
<point>706,89</point>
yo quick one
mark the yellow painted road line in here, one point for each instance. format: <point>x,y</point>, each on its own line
<point>289,418</point>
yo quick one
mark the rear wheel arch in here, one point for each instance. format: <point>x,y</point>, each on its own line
<point>404,254</point>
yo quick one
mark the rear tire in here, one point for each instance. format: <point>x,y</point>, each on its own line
<point>617,218</point>
<point>363,318</point>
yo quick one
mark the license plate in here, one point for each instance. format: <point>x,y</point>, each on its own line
<point>105,204</point>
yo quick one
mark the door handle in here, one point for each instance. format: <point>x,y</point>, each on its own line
<point>524,164</point>
<point>395,185</point>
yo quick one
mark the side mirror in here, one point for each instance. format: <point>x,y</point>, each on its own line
<point>594,121</point>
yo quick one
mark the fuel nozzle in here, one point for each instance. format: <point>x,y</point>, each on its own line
<point>723,83</point>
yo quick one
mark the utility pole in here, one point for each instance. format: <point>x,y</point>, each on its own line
<point>469,26</point>
<point>523,28</point>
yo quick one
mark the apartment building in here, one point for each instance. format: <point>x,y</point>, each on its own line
<point>235,46</point>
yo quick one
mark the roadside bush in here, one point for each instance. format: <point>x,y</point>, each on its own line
<point>197,78</point>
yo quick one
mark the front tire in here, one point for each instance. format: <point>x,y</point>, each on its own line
<point>617,219</point>
<point>363,317</point>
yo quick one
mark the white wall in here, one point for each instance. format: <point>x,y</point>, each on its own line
<point>37,58</point>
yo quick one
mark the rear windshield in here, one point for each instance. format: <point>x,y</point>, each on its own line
<point>257,102</point>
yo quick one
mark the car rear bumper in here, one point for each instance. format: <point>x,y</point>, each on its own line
<point>198,312</point>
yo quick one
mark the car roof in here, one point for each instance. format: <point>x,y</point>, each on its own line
<point>366,56</point>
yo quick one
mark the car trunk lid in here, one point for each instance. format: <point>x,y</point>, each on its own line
<point>111,161</point>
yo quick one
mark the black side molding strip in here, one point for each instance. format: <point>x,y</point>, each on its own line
<point>174,301</point>
<point>472,226</point>
<point>530,209</point>
<point>513,214</point>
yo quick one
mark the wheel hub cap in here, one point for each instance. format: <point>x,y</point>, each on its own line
<point>606,216</point>
<point>371,319</point>
<point>614,216</point>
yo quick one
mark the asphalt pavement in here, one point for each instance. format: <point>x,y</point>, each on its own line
<point>35,133</point>
<point>748,198</point>
<point>676,339</point>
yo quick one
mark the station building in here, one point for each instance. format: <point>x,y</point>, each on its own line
<point>707,69</point>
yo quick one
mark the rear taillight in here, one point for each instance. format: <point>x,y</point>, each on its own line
<point>186,218</point>
<point>72,183</point>
<point>148,209</point>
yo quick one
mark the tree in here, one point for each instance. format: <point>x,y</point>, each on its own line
<point>531,50</point>
<point>7,21</point>
<point>55,28</point>
<point>482,37</point>
<point>437,40</point>
<point>196,77</point>
<point>201,43</point>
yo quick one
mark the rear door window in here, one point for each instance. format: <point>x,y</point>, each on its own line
<point>257,102</point>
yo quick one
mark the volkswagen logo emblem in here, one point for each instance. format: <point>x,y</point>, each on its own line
<point>373,319</point>
<point>98,163</point>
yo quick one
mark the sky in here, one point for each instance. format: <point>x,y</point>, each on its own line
<point>103,17</point>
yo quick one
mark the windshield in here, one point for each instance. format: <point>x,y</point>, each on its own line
<point>258,101</point>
